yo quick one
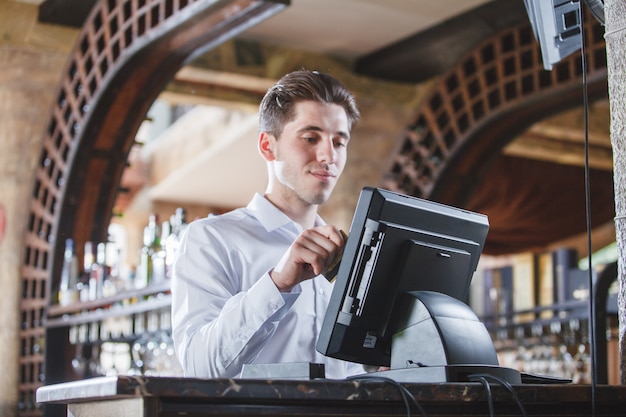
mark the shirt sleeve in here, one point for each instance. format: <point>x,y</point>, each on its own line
<point>216,327</point>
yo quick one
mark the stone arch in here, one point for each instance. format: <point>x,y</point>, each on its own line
<point>496,91</point>
<point>125,54</point>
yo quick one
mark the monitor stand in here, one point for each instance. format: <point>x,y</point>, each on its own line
<point>438,338</point>
<point>434,329</point>
<point>450,373</point>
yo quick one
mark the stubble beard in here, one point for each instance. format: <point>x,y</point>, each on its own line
<point>304,187</point>
<point>304,195</point>
<point>308,195</point>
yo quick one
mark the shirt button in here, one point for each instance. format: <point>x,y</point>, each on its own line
<point>321,291</point>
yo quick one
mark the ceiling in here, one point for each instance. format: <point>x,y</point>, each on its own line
<point>328,26</point>
<point>385,38</point>
<point>355,28</point>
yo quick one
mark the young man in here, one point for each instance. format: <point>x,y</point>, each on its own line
<point>247,285</point>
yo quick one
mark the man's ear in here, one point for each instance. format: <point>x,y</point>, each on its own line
<point>266,146</point>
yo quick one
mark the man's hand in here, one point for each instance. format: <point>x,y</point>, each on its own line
<point>309,255</point>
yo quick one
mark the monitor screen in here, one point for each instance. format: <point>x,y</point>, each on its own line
<point>397,244</point>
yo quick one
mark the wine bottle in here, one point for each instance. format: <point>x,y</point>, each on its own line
<point>69,275</point>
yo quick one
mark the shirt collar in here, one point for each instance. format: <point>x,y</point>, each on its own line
<point>270,216</point>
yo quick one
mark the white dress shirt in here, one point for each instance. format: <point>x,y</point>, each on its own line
<point>227,311</point>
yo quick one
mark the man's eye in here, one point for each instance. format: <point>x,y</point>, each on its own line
<point>340,143</point>
<point>310,139</point>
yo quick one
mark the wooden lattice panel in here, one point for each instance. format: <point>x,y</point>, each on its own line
<point>495,92</point>
<point>126,53</point>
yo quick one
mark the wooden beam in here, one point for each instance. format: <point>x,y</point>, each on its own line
<point>243,82</point>
<point>421,57</point>
<point>569,134</point>
<point>562,145</point>
<point>200,86</point>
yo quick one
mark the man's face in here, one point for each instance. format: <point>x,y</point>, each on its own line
<point>311,152</point>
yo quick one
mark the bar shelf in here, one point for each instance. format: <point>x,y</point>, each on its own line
<point>126,303</point>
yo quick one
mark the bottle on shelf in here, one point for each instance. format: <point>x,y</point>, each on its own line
<point>118,280</point>
<point>178,223</point>
<point>98,273</point>
<point>145,269</point>
<point>158,253</point>
<point>68,291</point>
<point>88,261</point>
<point>104,262</point>
<point>160,243</point>
<point>180,216</point>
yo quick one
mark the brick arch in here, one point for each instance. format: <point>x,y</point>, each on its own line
<point>125,54</point>
<point>497,91</point>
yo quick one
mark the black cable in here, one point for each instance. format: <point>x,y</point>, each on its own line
<point>506,385</point>
<point>483,380</point>
<point>404,392</point>
<point>592,327</point>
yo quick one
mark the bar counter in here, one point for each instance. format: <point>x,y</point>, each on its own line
<point>136,396</point>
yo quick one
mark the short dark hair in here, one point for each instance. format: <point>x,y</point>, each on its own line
<point>278,105</point>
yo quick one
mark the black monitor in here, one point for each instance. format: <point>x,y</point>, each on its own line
<point>403,254</point>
